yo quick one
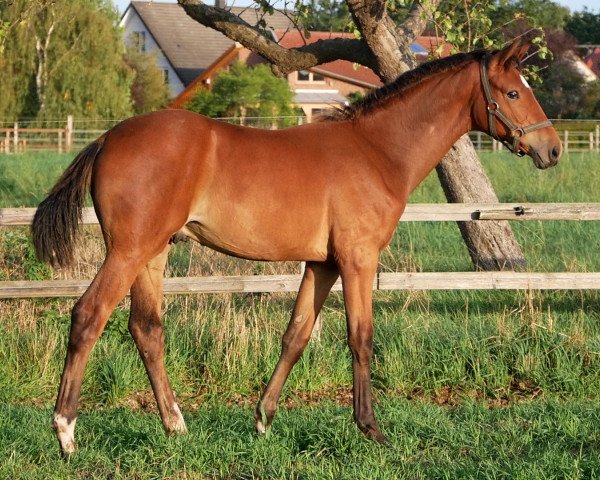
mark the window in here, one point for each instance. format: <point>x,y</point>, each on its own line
<point>139,41</point>
<point>166,75</point>
<point>303,76</point>
<point>307,76</point>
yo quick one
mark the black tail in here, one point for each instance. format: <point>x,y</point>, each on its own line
<point>55,224</point>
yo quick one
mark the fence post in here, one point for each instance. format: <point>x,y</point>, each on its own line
<point>7,142</point>
<point>69,134</point>
<point>598,138</point>
<point>566,142</point>
<point>16,136</point>
<point>591,142</point>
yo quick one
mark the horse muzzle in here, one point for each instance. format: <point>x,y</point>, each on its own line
<point>545,156</point>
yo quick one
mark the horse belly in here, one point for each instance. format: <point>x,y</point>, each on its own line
<point>274,240</point>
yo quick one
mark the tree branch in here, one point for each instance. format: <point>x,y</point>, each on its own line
<point>371,18</point>
<point>417,18</point>
<point>286,60</point>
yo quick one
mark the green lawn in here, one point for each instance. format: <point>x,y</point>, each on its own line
<point>489,384</point>
<point>534,440</point>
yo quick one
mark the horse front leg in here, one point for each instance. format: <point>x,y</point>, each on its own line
<point>315,286</point>
<point>358,273</point>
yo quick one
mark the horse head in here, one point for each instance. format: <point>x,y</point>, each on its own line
<point>510,112</point>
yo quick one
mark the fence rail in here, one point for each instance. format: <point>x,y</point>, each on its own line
<point>414,212</point>
<point>383,281</point>
<point>69,138</point>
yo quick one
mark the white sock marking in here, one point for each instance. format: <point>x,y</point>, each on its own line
<point>65,432</point>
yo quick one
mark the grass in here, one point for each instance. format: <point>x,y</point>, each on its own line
<point>476,384</point>
<point>541,440</point>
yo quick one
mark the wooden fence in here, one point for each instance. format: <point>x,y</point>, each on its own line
<point>67,139</point>
<point>383,281</point>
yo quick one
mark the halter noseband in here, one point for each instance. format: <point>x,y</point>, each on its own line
<point>493,109</point>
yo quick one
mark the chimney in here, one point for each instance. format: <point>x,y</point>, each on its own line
<point>221,4</point>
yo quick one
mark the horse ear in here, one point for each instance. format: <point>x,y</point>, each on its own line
<point>511,56</point>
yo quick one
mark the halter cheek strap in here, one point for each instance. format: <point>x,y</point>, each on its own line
<point>493,109</point>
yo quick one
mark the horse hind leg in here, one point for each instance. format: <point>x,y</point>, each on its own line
<point>316,283</point>
<point>147,331</point>
<point>88,319</point>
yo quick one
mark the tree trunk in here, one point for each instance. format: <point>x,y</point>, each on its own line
<point>491,244</point>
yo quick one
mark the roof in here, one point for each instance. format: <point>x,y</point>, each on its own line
<point>341,69</point>
<point>190,46</point>
<point>430,44</point>
<point>580,66</point>
<point>592,60</point>
<point>330,97</point>
<point>349,71</point>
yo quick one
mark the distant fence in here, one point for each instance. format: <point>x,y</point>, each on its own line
<point>74,135</point>
<point>383,281</point>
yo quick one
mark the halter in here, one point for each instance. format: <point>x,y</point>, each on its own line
<point>493,109</point>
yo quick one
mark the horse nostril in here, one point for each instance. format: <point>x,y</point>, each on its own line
<point>555,153</point>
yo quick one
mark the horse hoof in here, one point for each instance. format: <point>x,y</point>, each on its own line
<point>176,423</point>
<point>261,428</point>
<point>374,433</point>
<point>65,432</point>
<point>378,437</point>
<point>263,425</point>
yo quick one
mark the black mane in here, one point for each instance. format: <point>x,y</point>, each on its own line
<point>411,78</point>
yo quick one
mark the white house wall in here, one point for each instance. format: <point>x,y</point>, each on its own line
<point>131,22</point>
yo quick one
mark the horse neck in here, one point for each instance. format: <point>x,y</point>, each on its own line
<point>421,125</point>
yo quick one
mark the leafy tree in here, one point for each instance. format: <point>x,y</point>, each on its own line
<point>591,101</point>
<point>245,92</point>
<point>562,92</point>
<point>584,26</point>
<point>63,57</point>
<point>148,90</point>
<point>540,13</point>
<point>325,15</point>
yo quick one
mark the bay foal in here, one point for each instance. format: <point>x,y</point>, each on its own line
<point>329,193</point>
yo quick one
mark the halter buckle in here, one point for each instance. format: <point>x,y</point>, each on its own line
<point>518,132</point>
<point>493,107</point>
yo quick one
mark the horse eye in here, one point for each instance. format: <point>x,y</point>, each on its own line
<point>513,94</point>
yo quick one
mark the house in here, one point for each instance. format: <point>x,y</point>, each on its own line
<point>581,66</point>
<point>592,60</point>
<point>184,48</point>
<point>316,89</point>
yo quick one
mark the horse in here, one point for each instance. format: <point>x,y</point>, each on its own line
<point>328,193</point>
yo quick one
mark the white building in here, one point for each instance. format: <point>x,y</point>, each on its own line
<point>184,48</point>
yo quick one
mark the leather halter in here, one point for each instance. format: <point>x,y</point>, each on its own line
<point>493,109</point>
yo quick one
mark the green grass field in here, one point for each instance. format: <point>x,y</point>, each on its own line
<point>490,384</point>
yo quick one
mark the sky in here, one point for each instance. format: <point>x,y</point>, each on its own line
<point>574,5</point>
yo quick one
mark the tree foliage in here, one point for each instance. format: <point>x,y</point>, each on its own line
<point>149,90</point>
<point>324,16</point>
<point>245,92</point>
<point>562,92</point>
<point>584,26</point>
<point>63,57</point>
